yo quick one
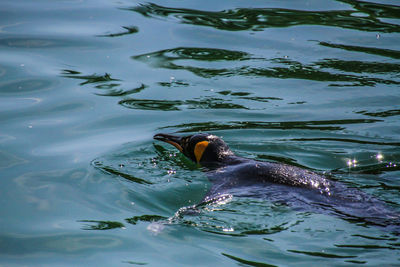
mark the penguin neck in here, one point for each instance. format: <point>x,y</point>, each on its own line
<point>232,159</point>
<point>224,160</point>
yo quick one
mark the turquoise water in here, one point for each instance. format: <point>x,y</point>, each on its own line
<point>84,85</point>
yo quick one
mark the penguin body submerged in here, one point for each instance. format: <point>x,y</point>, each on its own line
<point>296,187</point>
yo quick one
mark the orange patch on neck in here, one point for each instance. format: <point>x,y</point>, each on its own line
<point>199,150</point>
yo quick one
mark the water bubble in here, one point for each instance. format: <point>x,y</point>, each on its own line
<point>378,36</point>
<point>222,199</point>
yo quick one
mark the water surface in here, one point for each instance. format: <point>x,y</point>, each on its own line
<point>84,85</point>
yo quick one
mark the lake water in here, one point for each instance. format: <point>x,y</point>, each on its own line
<point>84,86</point>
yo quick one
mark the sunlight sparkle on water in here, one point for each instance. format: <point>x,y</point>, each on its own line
<point>352,163</point>
<point>171,171</point>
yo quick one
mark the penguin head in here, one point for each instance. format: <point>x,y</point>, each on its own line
<point>201,148</point>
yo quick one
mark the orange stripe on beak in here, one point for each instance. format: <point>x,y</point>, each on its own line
<point>178,146</point>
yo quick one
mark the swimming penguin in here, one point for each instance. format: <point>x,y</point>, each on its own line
<point>297,187</point>
<point>213,153</point>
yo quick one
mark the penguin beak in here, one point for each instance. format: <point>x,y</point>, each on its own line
<point>170,139</point>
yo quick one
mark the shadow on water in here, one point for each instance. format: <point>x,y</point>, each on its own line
<point>256,19</point>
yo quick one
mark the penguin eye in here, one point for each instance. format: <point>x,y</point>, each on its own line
<point>184,142</point>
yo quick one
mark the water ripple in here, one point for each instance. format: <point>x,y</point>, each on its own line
<point>105,83</point>
<point>321,254</point>
<point>382,114</point>
<point>170,105</point>
<point>128,30</point>
<point>328,125</point>
<point>162,57</point>
<point>363,49</point>
<point>282,68</point>
<point>247,262</point>
<point>255,19</point>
